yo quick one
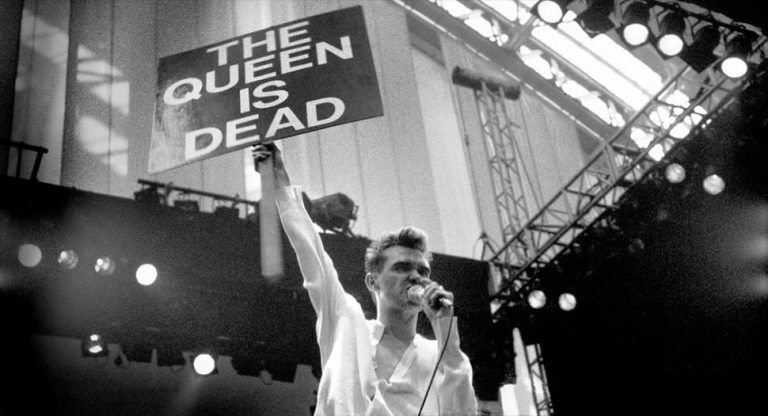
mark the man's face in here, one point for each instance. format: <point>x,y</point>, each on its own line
<point>403,268</point>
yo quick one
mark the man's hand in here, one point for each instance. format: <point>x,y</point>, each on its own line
<point>262,153</point>
<point>432,292</point>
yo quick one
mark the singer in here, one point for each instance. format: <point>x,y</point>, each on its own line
<point>379,367</point>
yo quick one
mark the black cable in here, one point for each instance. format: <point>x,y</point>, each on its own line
<point>440,358</point>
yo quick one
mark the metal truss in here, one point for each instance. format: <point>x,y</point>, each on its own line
<point>531,242</point>
<point>542,401</point>
<point>599,185</point>
<point>506,168</point>
<point>587,196</point>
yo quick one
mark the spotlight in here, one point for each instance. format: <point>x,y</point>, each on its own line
<point>567,301</point>
<point>550,11</point>
<point>187,205</point>
<point>333,212</point>
<point>105,266</point>
<point>204,364</point>
<point>675,173</point>
<point>94,346</point>
<point>595,19</point>
<point>635,29</point>
<point>736,51</point>
<point>149,195</point>
<point>30,255</point>
<point>698,55</point>
<point>146,274</point>
<point>671,28</point>
<point>537,299</point>
<point>68,259</point>
<point>714,184</point>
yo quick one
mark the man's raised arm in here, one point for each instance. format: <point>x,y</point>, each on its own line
<point>320,277</point>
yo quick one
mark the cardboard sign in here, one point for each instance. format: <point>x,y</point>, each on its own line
<point>264,86</point>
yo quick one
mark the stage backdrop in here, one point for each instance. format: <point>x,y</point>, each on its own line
<point>270,84</point>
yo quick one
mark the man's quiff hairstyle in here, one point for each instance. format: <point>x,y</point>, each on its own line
<point>408,237</point>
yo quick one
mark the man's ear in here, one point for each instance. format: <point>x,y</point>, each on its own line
<point>371,281</point>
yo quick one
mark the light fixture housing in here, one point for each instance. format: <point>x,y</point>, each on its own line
<point>634,29</point>
<point>105,266</point>
<point>567,301</point>
<point>674,172</point>
<point>699,54</point>
<point>204,364</point>
<point>537,299</point>
<point>713,183</point>
<point>737,49</point>
<point>30,255</point>
<point>670,40</point>
<point>595,19</point>
<point>68,259</point>
<point>146,274</point>
<point>94,346</point>
<point>550,11</point>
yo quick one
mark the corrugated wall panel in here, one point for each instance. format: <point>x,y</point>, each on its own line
<point>547,140</point>
<point>456,209</point>
<point>87,134</point>
<point>133,94</point>
<point>38,105</point>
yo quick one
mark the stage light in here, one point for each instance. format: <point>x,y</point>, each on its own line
<point>30,255</point>
<point>105,266</point>
<point>567,301</point>
<point>187,205</point>
<point>537,299</point>
<point>146,274</point>
<point>713,184</point>
<point>94,346</point>
<point>736,52</point>
<point>333,212</point>
<point>674,172</point>
<point>149,195</point>
<point>635,29</point>
<point>550,11</point>
<point>699,54</point>
<point>595,18</point>
<point>68,259</point>
<point>670,40</point>
<point>204,364</point>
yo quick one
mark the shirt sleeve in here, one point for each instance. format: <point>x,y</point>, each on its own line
<point>320,277</point>
<point>456,396</point>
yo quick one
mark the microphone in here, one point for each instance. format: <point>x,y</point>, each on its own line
<point>416,295</point>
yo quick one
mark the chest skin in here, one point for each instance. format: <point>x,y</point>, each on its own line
<point>389,351</point>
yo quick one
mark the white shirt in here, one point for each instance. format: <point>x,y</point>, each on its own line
<point>349,385</point>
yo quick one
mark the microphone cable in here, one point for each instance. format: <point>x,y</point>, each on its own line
<point>440,358</point>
